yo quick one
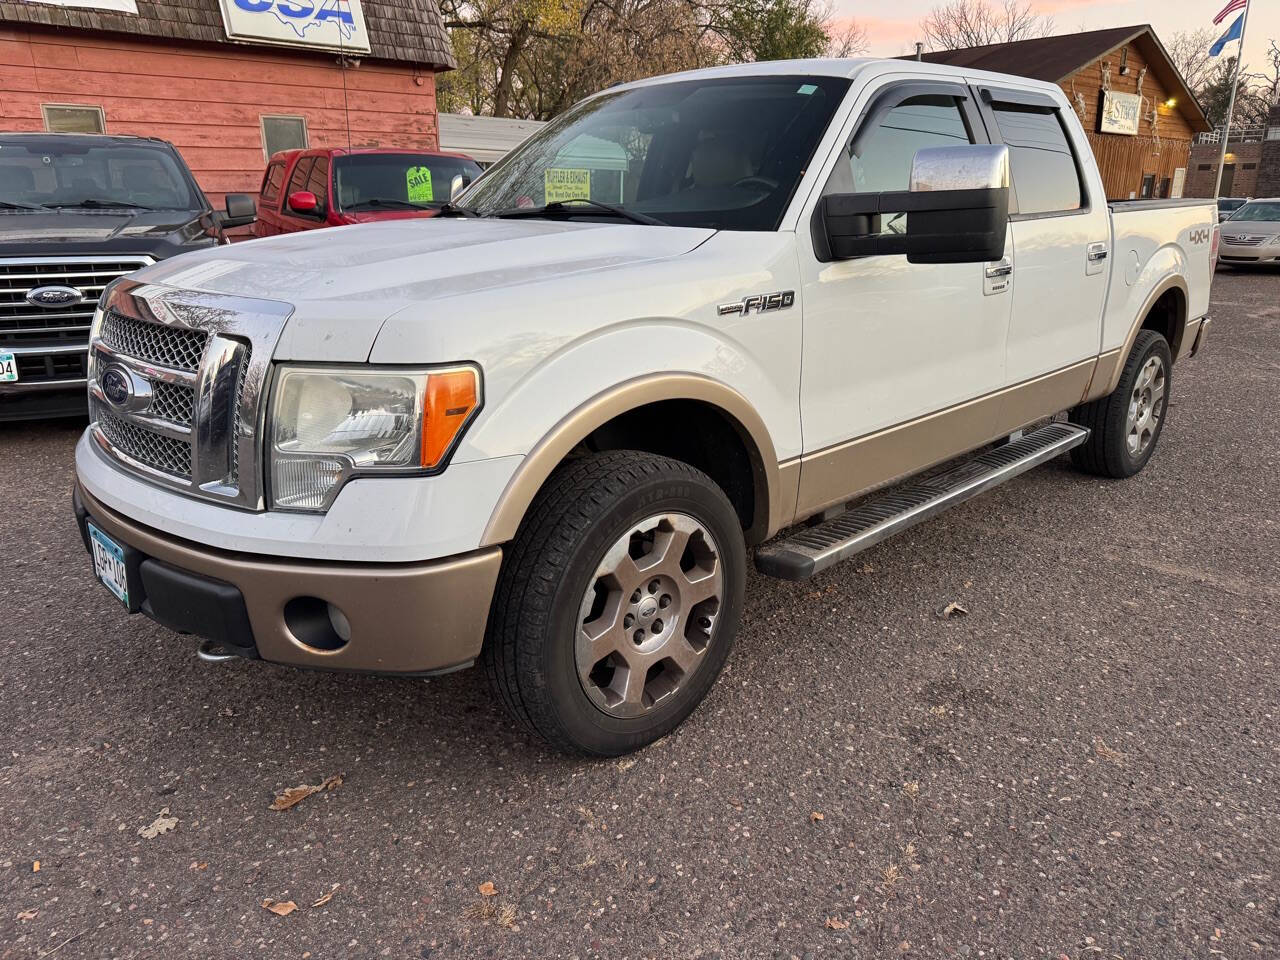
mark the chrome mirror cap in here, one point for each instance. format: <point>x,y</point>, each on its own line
<point>976,166</point>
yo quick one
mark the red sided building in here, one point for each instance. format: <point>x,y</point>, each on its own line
<point>226,81</point>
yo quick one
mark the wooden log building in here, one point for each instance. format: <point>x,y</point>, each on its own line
<point>226,81</point>
<point>1139,115</point>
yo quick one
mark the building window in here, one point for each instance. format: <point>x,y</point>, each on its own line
<point>73,118</point>
<point>1205,166</point>
<point>283,133</point>
<point>1251,166</point>
<point>1148,186</point>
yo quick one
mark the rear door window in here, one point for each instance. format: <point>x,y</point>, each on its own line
<point>272,181</point>
<point>1046,177</point>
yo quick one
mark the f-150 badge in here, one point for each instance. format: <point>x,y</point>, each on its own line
<point>760,303</point>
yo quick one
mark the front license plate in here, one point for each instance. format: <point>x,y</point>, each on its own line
<point>8,368</point>
<point>109,565</point>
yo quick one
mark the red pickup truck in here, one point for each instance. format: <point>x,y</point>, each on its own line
<point>306,189</point>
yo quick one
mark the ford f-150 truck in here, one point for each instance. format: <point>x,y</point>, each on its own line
<point>77,211</point>
<point>793,306</point>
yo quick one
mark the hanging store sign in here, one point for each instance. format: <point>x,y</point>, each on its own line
<point>1119,113</point>
<point>318,24</point>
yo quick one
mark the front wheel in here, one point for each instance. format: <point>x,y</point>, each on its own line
<point>618,602</point>
<point>1126,424</point>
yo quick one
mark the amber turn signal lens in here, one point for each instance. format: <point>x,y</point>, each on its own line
<point>450,399</point>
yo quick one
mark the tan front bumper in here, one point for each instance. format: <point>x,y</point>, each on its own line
<point>404,617</point>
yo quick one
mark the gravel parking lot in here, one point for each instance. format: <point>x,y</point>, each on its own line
<point>1085,765</point>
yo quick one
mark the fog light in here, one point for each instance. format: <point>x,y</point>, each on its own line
<point>341,625</point>
<point>317,624</point>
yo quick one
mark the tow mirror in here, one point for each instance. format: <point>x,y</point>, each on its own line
<point>304,202</point>
<point>241,210</point>
<point>956,211</point>
<point>459,183</point>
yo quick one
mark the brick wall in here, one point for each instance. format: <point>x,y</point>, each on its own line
<point>1269,168</point>
<point>1246,158</point>
<point>209,100</point>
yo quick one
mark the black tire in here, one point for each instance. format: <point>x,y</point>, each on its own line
<point>1106,452</point>
<point>529,650</point>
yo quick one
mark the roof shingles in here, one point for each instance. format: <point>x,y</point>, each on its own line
<point>403,30</point>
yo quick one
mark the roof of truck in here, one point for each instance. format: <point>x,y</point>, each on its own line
<point>832,67</point>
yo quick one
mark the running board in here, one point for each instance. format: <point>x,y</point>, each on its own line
<point>810,551</point>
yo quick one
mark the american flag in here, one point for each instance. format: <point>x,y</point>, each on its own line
<point>1229,9</point>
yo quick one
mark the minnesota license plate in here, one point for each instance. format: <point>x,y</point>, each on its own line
<point>8,368</point>
<point>109,565</point>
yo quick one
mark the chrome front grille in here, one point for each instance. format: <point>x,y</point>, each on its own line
<point>146,446</point>
<point>49,341</point>
<point>174,402</point>
<point>177,379</point>
<point>1243,241</point>
<point>153,342</point>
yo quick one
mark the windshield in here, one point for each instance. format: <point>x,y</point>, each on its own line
<point>53,172</point>
<point>1257,211</point>
<point>406,180</point>
<point>725,153</point>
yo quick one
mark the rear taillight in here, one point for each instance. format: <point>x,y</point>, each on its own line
<point>1213,249</point>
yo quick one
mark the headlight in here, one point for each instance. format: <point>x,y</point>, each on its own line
<point>1274,240</point>
<point>328,424</point>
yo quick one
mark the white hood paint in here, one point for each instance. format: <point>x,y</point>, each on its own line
<point>344,282</point>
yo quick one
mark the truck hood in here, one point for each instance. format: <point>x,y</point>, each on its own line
<point>345,281</point>
<point>72,232</point>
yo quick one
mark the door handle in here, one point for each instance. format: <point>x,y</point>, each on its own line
<point>1096,252</point>
<point>1000,269</point>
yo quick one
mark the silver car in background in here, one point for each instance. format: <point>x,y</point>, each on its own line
<point>1252,233</point>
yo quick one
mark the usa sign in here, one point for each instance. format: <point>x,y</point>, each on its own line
<point>320,24</point>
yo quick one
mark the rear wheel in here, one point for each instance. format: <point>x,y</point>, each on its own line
<point>1125,425</point>
<point>618,602</point>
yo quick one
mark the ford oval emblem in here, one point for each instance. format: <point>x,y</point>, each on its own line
<point>55,296</point>
<point>117,386</point>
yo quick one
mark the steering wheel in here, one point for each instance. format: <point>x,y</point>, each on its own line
<point>757,181</point>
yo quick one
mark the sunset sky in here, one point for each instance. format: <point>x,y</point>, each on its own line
<point>893,27</point>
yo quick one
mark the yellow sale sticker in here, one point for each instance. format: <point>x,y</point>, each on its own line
<point>569,184</point>
<point>418,180</point>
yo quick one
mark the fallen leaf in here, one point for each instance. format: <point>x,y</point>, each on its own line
<point>327,897</point>
<point>952,610</point>
<point>1108,753</point>
<point>35,866</point>
<point>816,816</point>
<point>161,824</point>
<point>280,908</point>
<point>835,923</point>
<point>28,914</point>
<point>199,866</point>
<point>297,794</point>
<point>487,889</point>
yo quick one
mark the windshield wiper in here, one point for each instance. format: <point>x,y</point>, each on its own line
<point>15,205</point>
<point>451,209</point>
<point>388,202</point>
<point>92,203</point>
<point>563,206</point>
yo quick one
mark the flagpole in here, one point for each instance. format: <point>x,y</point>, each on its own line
<point>1231,102</point>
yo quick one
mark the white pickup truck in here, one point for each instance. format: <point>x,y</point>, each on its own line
<point>694,312</point>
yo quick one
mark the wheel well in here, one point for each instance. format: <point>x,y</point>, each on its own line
<point>701,435</point>
<point>1168,317</point>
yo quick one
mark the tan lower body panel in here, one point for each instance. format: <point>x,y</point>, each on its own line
<point>840,473</point>
<point>405,617</point>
